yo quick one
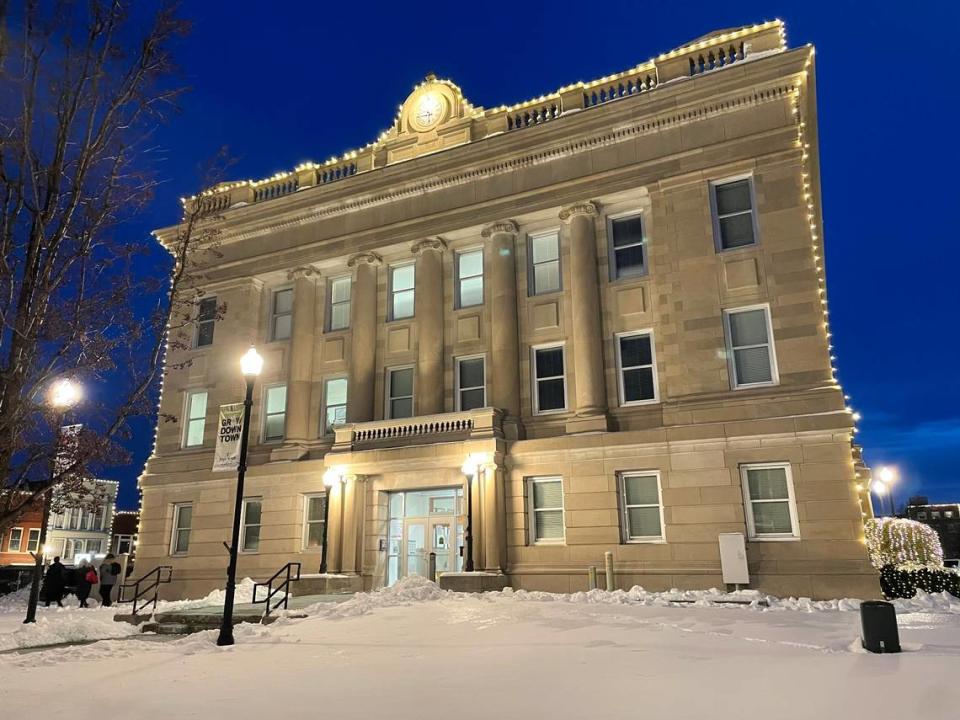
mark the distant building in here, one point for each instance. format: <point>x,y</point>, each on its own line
<point>124,534</point>
<point>22,539</point>
<point>942,517</point>
<point>80,528</point>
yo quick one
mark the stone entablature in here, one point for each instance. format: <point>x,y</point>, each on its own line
<point>437,116</point>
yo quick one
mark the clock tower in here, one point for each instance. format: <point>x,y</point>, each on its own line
<point>434,116</point>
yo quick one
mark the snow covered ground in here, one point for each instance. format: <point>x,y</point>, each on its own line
<point>416,652</point>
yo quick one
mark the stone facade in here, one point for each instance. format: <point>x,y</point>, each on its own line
<point>656,144</point>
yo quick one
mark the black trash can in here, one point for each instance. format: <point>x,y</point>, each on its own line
<point>878,627</point>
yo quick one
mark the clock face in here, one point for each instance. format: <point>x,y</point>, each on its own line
<point>428,111</point>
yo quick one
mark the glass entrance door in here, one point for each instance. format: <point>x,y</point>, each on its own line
<point>415,548</point>
<point>421,522</point>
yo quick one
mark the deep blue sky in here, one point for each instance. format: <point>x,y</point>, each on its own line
<point>283,83</point>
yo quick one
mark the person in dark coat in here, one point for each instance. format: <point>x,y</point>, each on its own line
<point>86,579</point>
<point>109,572</point>
<point>53,583</point>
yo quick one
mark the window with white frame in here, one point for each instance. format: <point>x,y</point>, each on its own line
<point>471,384</point>
<point>334,403</point>
<point>642,508</point>
<point>402,280</point>
<point>314,511</point>
<point>15,541</point>
<point>750,350</point>
<point>33,540</point>
<point>400,392</point>
<point>546,509</point>
<point>628,249</point>
<point>123,544</point>
<point>734,219</point>
<point>274,412</point>
<point>549,379</point>
<point>469,278</point>
<point>250,516</point>
<point>544,263</point>
<point>338,303</point>
<point>281,314</point>
<point>769,501</point>
<point>182,522</point>
<point>206,319</point>
<point>637,368</point>
<point>94,547</point>
<point>196,418</point>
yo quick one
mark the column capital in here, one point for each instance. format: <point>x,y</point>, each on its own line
<point>434,243</point>
<point>367,258</point>
<point>587,207</point>
<point>303,271</point>
<point>502,227</point>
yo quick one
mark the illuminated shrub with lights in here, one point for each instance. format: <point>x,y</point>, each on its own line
<point>909,557</point>
<point>894,541</point>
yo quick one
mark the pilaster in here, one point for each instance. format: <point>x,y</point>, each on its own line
<point>428,310</point>
<point>299,381</point>
<point>363,332</point>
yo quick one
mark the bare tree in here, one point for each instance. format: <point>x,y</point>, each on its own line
<point>81,90</point>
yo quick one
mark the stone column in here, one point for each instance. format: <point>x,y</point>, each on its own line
<point>302,345</point>
<point>505,341</point>
<point>591,396</point>
<point>494,540</point>
<point>352,489</point>
<point>428,310</point>
<point>335,528</point>
<point>363,331</point>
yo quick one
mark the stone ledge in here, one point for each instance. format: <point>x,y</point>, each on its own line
<point>329,584</point>
<point>474,582</point>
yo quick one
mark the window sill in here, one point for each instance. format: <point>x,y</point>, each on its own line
<point>774,538</point>
<point>546,294</point>
<point>542,413</point>
<point>738,249</point>
<point>750,386</point>
<point>549,543</point>
<point>626,279</point>
<point>644,541</point>
<point>640,403</point>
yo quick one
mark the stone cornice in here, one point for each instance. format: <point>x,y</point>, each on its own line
<point>304,271</point>
<point>434,243</point>
<point>503,227</point>
<point>368,258</point>
<point>587,207</point>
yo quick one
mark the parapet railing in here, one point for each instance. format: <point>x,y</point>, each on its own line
<point>482,422</point>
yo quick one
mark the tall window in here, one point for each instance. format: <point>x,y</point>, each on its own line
<point>196,418</point>
<point>33,540</point>
<point>182,521</point>
<point>400,392</point>
<point>250,524</point>
<point>642,509</point>
<point>338,303</point>
<point>206,319</point>
<point>734,221</point>
<point>550,384</point>
<point>544,263</point>
<point>313,512</point>
<point>638,368</point>
<point>402,279</point>
<point>281,314</point>
<point>750,346</point>
<point>275,412</point>
<point>94,546</point>
<point>16,539</point>
<point>469,278</point>
<point>628,251</point>
<point>471,387</point>
<point>769,501</point>
<point>546,509</point>
<point>334,403</point>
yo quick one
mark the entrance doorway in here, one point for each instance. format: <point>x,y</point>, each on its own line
<point>421,522</point>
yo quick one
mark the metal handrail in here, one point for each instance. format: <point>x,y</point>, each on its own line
<point>155,583</point>
<point>271,591</point>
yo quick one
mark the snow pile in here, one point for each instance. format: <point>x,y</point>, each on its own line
<point>242,594</point>
<point>65,626</point>
<point>411,589</point>
<point>638,596</point>
<point>15,601</point>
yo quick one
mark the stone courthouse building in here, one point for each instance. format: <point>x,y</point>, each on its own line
<point>604,309</point>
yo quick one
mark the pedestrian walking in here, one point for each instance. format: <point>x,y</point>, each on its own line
<point>109,572</point>
<point>86,579</point>
<point>53,583</point>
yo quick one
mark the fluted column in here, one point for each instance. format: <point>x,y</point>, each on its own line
<point>591,395</point>
<point>494,540</point>
<point>363,331</point>
<point>352,490</point>
<point>428,309</point>
<point>302,344</point>
<point>505,340</point>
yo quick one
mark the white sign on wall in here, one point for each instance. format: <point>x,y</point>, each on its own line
<point>226,457</point>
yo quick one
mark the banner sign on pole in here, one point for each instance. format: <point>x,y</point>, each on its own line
<point>226,457</point>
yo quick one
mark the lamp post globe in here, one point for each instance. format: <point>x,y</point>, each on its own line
<point>62,396</point>
<point>251,364</point>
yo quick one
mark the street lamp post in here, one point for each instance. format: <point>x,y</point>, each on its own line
<point>63,395</point>
<point>250,364</point>
<point>330,478</point>
<point>470,470</point>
